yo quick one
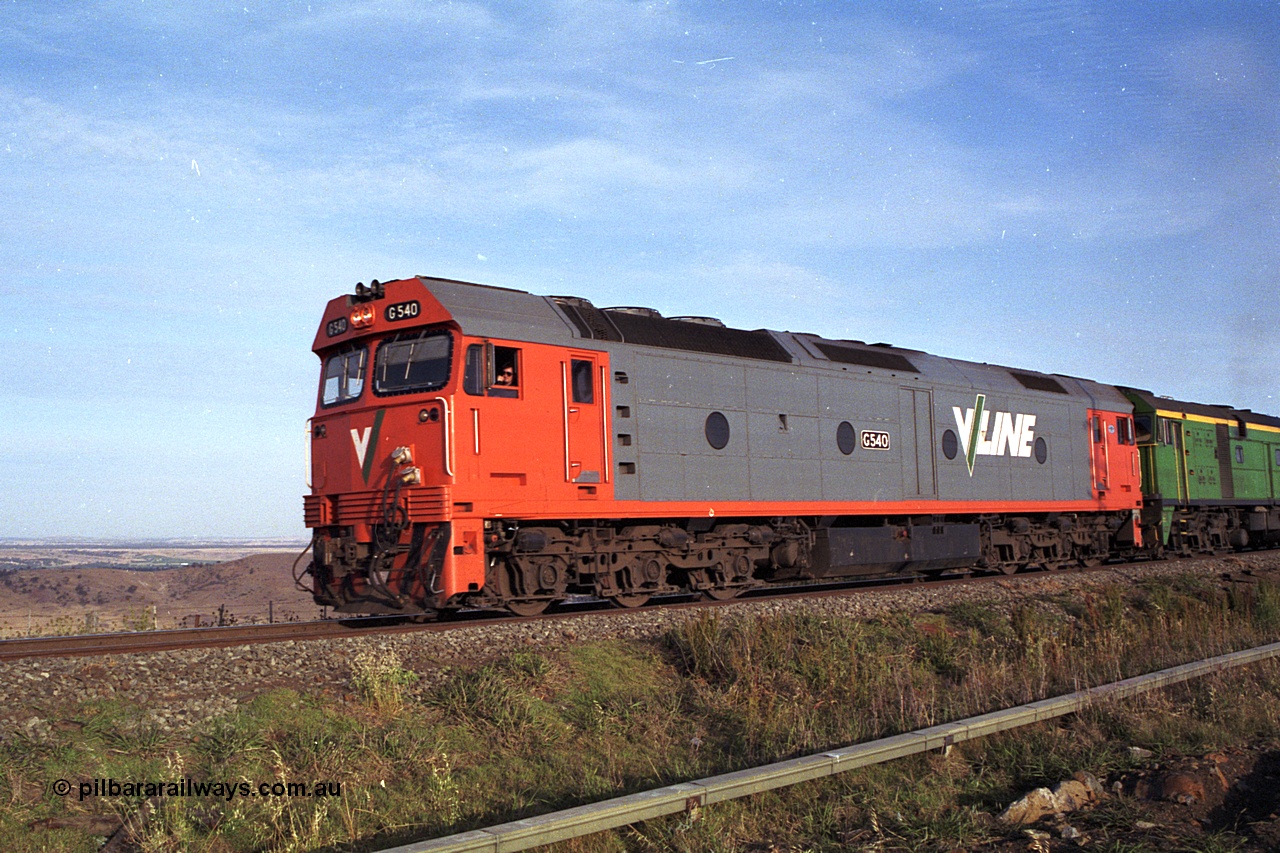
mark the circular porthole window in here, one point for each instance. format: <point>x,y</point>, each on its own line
<point>1042,450</point>
<point>717,430</point>
<point>950,444</point>
<point>845,439</point>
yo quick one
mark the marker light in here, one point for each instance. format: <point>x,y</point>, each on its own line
<point>362,316</point>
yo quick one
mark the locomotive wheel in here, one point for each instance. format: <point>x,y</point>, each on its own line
<point>628,601</point>
<point>631,586</point>
<point>528,607</point>
<point>722,582</point>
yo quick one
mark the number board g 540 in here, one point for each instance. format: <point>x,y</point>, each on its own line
<point>402,311</point>
<point>874,439</point>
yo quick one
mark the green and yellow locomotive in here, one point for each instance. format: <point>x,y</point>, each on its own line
<point>1210,474</point>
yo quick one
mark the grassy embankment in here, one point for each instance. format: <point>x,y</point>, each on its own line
<point>538,731</point>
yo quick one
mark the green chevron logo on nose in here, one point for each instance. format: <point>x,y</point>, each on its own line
<point>363,441</point>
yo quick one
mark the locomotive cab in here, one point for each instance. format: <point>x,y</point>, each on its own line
<point>380,449</point>
<point>427,437</point>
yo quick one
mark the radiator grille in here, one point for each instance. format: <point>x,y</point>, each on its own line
<point>1226,475</point>
<point>423,503</point>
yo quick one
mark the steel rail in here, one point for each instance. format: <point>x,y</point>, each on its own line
<point>86,645</point>
<point>83,645</point>
<point>131,642</point>
<point>673,799</point>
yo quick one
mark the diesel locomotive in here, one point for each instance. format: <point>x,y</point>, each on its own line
<point>481,447</point>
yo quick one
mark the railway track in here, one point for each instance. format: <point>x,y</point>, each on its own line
<point>87,645</point>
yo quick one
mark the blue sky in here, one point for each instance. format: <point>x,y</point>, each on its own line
<point>1082,188</point>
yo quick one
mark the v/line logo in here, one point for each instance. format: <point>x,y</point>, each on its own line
<point>984,435</point>
<point>362,440</point>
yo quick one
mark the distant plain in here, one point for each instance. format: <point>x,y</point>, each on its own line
<point>75,586</point>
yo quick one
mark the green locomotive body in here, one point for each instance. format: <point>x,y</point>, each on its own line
<point>1210,474</point>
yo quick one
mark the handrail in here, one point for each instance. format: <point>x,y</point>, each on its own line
<point>310,438</point>
<point>564,393</point>
<point>447,423</point>
<point>1106,454</point>
<point>604,418</point>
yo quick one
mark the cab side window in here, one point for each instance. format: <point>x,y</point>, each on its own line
<point>473,371</point>
<point>506,367</point>
<point>1124,430</point>
<point>583,382</point>
<point>492,371</point>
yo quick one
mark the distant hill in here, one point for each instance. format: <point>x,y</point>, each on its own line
<point>247,588</point>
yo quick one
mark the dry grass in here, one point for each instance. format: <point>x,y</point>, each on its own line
<point>535,732</point>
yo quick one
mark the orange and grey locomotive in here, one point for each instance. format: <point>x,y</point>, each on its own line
<point>479,447</point>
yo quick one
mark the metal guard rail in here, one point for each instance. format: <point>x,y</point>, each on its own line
<point>672,799</point>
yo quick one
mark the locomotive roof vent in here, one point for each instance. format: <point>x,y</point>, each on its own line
<point>590,321</point>
<point>575,301</point>
<point>898,348</point>
<point>704,321</point>
<point>1038,382</point>
<point>865,357</point>
<point>636,310</point>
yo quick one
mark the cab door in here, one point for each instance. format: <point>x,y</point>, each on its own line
<point>1099,452</point>
<point>586,449</point>
<point>1179,441</point>
<point>1273,456</point>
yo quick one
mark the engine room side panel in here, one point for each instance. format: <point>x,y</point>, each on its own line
<point>790,390</point>
<point>775,480</point>
<point>1039,481</point>
<point>714,382</point>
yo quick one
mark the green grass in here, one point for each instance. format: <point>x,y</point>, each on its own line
<point>536,731</point>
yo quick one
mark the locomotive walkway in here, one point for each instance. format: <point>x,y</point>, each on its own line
<point>687,796</point>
